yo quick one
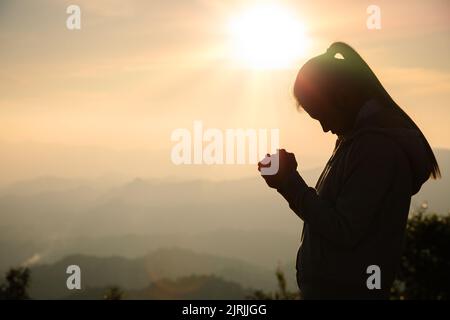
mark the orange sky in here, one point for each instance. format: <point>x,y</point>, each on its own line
<point>139,69</point>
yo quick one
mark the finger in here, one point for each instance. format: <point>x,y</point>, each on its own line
<point>265,159</point>
<point>265,165</point>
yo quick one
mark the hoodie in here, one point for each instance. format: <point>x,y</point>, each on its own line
<point>355,217</point>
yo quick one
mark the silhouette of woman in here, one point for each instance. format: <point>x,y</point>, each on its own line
<point>355,217</point>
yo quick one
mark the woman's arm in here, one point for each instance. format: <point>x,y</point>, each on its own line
<point>368,176</point>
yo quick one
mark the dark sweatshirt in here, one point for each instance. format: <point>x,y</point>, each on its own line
<point>356,215</point>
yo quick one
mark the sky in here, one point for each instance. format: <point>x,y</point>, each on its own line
<point>105,99</point>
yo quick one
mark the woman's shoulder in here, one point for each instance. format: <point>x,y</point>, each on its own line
<point>376,147</point>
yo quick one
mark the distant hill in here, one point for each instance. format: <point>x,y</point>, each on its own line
<point>195,287</point>
<point>56,222</point>
<point>191,288</point>
<point>49,281</point>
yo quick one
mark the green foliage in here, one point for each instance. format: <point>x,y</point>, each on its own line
<point>16,284</point>
<point>281,294</point>
<point>114,293</point>
<point>425,265</point>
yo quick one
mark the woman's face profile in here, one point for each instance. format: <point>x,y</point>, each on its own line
<point>330,116</point>
<point>332,101</point>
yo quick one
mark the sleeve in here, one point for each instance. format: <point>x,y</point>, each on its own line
<point>367,179</point>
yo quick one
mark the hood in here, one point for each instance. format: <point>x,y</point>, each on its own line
<point>374,117</point>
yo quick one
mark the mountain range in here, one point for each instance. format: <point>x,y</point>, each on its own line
<point>153,275</point>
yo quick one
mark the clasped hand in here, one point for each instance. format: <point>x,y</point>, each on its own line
<point>287,164</point>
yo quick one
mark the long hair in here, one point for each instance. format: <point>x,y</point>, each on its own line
<point>354,71</point>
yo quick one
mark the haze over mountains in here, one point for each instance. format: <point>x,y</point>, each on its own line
<point>240,226</point>
<point>142,215</point>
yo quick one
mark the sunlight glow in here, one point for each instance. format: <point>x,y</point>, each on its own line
<point>267,37</point>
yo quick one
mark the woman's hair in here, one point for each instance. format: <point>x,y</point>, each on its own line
<point>333,76</point>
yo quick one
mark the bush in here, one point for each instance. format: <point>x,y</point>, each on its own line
<point>425,265</point>
<point>16,284</point>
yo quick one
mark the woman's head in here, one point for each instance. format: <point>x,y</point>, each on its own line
<point>332,90</point>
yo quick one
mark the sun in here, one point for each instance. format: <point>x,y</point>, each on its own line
<point>267,36</point>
